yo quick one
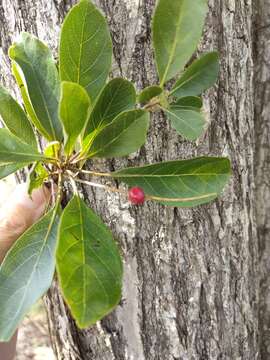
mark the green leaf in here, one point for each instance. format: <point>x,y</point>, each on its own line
<point>52,150</point>
<point>36,177</point>
<point>117,96</point>
<point>26,101</point>
<point>75,106</point>
<point>8,169</point>
<point>187,121</point>
<point>190,101</point>
<point>85,48</point>
<point>183,183</point>
<point>40,77</point>
<point>15,118</point>
<point>125,135</point>
<point>199,76</point>
<point>12,149</point>
<point>26,273</point>
<point>177,28</point>
<point>88,264</point>
<point>149,93</point>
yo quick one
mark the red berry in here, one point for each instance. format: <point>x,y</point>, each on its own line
<point>136,196</point>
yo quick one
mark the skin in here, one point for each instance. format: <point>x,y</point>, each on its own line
<point>17,214</point>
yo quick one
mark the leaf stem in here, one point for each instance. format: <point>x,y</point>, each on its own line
<point>76,160</point>
<point>56,201</point>
<point>73,157</point>
<point>95,173</point>
<point>73,183</point>
<point>150,105</point>
<point>59,190</point>
<point>52,192</point>
<point>105,187</point>
<point>50,160</point>
<point>149,197</point>
<point>173,91</point>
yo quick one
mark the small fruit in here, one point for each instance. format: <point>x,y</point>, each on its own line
<point>136,196</point>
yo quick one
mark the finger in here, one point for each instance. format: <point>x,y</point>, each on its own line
<point>20,213</point>
<point>37,203</point>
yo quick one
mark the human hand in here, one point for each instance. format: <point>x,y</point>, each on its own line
<point>19,213</point>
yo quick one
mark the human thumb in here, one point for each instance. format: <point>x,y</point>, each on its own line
<point>19,213</point>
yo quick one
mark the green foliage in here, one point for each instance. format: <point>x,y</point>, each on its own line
<point>53,149</point>
<point>75,107</point>
<point>149,93</point>
<point>15,119</point>
<point>199,76</point>
<point>37,176</point>
<point>14,150</point>
<point>27,273</point>
<point>117,96</point>
<point>41,81</point>
<point>123,136</point>
<point>177,28</point>
<point>187,121</point>
<point>26,101</point>
<point>9,168</point>
<point>88,264</point>
<point>182,183</point>
<point>82,115</point>
<point>190,101</point>
<point>85,48</point>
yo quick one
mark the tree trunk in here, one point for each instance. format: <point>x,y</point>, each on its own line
<point>262,165</point>
<point>192,277</point>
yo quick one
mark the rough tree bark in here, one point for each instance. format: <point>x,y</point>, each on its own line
<point>192,279</point>
<point>262,164</point>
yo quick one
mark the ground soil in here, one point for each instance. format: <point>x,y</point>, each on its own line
<point>33,340</point>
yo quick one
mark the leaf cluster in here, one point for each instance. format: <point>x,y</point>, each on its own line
<point>82,115</point>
